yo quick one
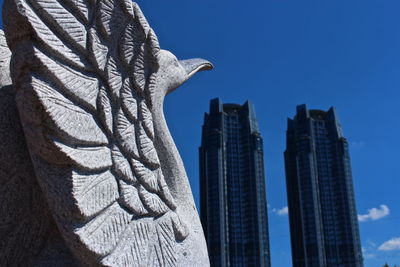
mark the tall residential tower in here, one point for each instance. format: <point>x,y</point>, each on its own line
<point>232,180</point>
<point>322,210</point>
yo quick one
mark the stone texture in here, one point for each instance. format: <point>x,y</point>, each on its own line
<point>106,184</point>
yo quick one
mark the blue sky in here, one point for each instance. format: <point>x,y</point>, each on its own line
<point>281,53</point>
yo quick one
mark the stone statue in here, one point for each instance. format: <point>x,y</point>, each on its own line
<point>98,181</point>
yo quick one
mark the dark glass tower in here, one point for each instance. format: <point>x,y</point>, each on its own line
<point>322,209</point>
<point>233,202</point>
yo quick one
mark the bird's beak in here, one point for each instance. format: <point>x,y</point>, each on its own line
<point>192,66</point>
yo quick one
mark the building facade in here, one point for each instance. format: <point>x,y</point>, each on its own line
<point>232,187</point>
<point>322,210</point>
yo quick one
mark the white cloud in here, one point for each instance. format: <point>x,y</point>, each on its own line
<point>375,214</point>
<point>369,251</point>
<point>367,254</point>
<point>281,212</point>
<point>392,244</point>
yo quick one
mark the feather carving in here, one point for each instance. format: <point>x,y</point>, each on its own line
<point>129,102</point>
<point>94,78</point>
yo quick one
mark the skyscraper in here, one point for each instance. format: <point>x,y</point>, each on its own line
<point>322,209</point>
<point>232,180</point>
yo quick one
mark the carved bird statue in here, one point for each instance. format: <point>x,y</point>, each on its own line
<point>109,187</point>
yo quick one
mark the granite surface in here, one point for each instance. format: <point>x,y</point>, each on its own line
<point>91,175</point>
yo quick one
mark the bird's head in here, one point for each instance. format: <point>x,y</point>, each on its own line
<point>172,72</point>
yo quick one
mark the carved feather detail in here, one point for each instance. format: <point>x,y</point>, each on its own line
<point>114,77</point>
<point>146,176</point>
<point>87,158</point>
<point>122,166</point>
<point>129,103</point>
<point>77,85</point>
<point>80,9</point>
<point>152,202</point>
<point>130,198</point>
<point>126,135</point>
<point>103,232</point>
<point>59,19</point>
<point>89,188</point>
<point>146,147</point>
<point>98,50</point>
<point>147,120</point>
<point>105,109</point>
<point>139,69</point>
<point>72,123</point>
<point>92,76</point>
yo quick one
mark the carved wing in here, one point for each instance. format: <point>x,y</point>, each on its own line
<point>84,72</point>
